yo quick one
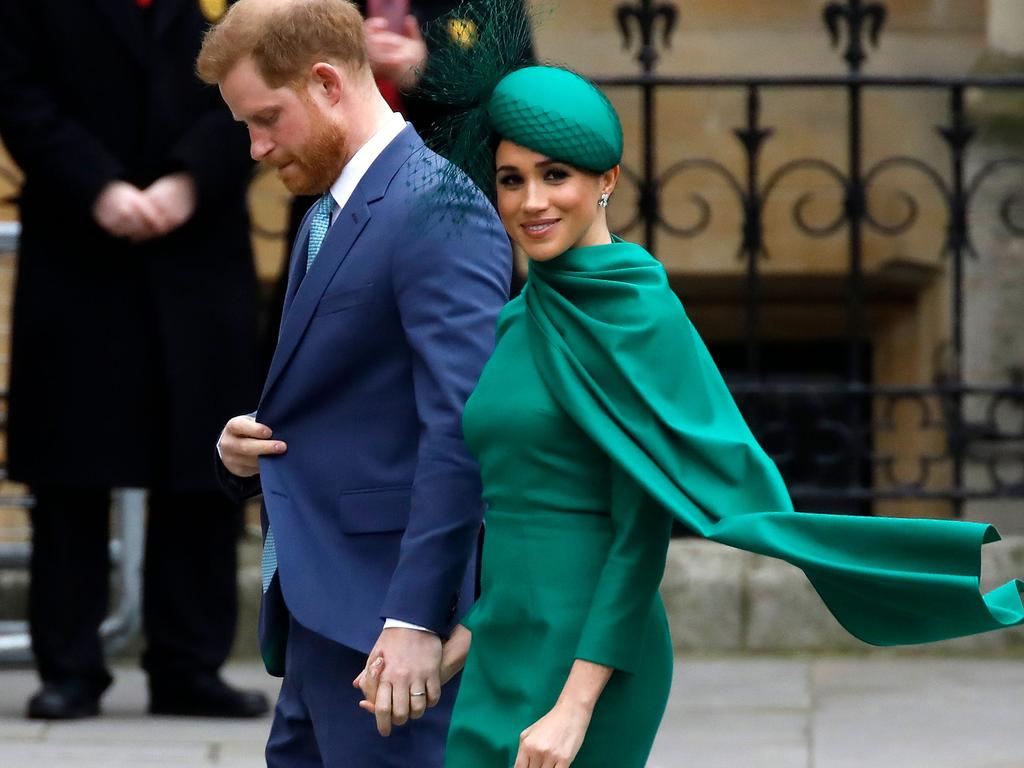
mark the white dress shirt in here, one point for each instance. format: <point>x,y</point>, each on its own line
<point>356,168</point>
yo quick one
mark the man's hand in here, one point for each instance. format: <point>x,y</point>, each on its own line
<point>123,210</point>
<point>395,57</point>
<point>409,682</point>
<point>174,199</point>
<point>453,659</point>
<point>243,441</point>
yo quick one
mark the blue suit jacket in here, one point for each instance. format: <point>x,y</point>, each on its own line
<point>376,505</point>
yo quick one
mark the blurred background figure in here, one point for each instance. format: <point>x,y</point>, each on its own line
<point>134,335</point>
<point>398,55</point>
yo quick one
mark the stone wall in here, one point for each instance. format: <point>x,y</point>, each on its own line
<point>721,599</point>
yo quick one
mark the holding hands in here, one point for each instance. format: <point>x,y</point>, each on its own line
<point>551,742</point>
<point>123,210</point>
<point>407,683</point>
<point>389,696</point>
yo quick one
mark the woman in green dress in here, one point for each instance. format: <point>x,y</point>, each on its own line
<point>601,417</point>
<point>569,638</point>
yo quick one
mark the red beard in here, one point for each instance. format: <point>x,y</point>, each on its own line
<point>314,168</point>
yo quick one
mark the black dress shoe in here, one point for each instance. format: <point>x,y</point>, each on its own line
<point>204,696</point>
<point>63,701</point>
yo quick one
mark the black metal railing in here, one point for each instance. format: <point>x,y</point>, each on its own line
<point>971,442</point>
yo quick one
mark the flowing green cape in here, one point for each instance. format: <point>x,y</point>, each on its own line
<point>618,352</point>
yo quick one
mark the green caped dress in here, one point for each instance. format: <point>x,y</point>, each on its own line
<point>599,418</point>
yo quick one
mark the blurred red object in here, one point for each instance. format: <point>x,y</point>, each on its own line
<point>394,11</point>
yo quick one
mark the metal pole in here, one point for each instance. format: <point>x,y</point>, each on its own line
<point>957,136</point>
<point>128,507</point>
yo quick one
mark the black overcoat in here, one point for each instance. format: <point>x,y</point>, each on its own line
<point>127,359</point>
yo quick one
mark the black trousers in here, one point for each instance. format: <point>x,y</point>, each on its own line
<point>190,598</point>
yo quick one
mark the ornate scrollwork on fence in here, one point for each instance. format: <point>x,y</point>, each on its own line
<point>911,206</point>
<point>698,199</point>
<point>1010,205</point>
<point>799,215</point>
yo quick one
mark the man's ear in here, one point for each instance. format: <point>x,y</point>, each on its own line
<point>326,82</point>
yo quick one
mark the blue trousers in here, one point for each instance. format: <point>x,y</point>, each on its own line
<point>318,723</point>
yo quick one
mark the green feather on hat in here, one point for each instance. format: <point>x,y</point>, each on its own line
<point>480,66</point>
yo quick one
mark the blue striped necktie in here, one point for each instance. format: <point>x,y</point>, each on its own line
<point>318,227</point>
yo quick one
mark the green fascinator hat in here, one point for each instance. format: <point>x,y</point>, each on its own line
<point>559,114</point>
<point>482,71</point>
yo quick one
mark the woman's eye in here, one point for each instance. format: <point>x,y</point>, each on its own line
<point>510,180</point>
<point>556,174</point>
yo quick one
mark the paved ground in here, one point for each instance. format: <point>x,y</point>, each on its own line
<point>876,712</point>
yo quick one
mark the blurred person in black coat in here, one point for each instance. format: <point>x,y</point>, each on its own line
<point>134,335</point>
<point>397,53</point>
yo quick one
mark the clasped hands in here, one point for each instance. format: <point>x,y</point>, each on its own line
<point>125,211</point>
<point>405,671</point>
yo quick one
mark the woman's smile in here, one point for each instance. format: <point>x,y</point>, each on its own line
<point>539,228</point>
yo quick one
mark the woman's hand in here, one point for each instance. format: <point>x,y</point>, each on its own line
<point>454,652</point>
<point>554,740</point>
<point>368,680</point>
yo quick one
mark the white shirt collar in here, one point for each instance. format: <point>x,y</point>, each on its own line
<point>361,161</point>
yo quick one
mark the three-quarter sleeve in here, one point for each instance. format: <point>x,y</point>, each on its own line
<point>627,590</point>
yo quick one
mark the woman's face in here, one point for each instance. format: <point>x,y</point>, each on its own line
<point>548,206</point>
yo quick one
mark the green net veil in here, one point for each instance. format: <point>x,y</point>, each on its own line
<point>481,70</point>
<point>471,49</point>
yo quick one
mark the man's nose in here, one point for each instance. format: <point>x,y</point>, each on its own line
<point>259,145</point>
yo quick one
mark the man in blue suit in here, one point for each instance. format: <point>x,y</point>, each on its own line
<point>372,502</point>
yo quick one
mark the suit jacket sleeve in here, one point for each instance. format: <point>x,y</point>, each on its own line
<point>613,634</point>
<point>450,285</point>
<point>53,148</point>
<point>238,489</point>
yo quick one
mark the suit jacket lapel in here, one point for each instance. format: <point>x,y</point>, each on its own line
<point>126,22</point>
<point>341,237</point>
<point>306,294</point>
<point>297,265</point>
